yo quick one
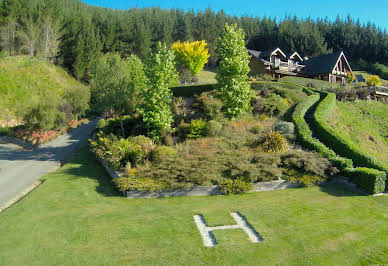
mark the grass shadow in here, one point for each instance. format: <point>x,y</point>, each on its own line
<point>339,190</point>
<point>91,169</point>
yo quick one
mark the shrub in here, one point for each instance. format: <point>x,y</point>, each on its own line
<point>213,128</point>
<point>161,153</point>
<point>147,145</point>
<point>304,179</point>
<point>363,93</point>
<point>196,129</point>
<point>371,180</point>
<point>5,131</point>
<point>275,142</point>
<point>275,105</point>
<point>210,105</point>
<point>257,129</point>
<point>285,128</point>
<point>236,186</point>
<point>117,152</point>
<point>125,183</point>
<point>257,105</point>
<point>373,80</point>
<point>308,162</point>
<point>132,126</point>
<point>101,124</point>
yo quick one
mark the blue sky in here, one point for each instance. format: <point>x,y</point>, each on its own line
<point>375,11</point>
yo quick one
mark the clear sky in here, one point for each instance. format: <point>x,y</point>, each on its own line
<point>375,11</point>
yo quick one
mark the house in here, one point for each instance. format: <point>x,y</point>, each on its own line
<point>332,67</point>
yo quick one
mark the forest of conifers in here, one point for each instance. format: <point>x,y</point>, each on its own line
<point>72,34</point>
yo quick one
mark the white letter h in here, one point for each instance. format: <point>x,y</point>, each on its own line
<point>208,237</point>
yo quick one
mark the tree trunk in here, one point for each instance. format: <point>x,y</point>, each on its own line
<point>122,126</point>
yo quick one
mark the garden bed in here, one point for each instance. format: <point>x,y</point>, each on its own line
<point>33,138</point>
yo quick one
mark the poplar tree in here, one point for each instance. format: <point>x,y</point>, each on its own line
<point>232,72</point>
<point>157,96</point>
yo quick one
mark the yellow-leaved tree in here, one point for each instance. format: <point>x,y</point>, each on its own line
<point>373,80</point>
<point>191,55</point>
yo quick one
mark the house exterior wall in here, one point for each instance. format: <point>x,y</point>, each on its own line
<point>257,67</point>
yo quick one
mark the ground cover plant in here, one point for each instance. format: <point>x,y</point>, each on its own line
<point>92,224</point>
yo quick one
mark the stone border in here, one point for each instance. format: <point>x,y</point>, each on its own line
<point>21,195</point>
<point>209,190</point>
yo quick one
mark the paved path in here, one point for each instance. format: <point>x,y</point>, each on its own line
<point>20,169</point>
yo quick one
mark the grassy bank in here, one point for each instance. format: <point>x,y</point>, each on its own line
<point>76,218</point>
<point>365,124</point>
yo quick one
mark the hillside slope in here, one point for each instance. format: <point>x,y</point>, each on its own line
<point>24,80</point>
<point>365,123</point>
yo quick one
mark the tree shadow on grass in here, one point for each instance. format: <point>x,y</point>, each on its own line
<point>339,190</point>
<point>88,167</point>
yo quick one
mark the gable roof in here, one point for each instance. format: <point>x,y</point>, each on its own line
<point>255,53</point>
<point>289,55</point>
<point>321,64</point>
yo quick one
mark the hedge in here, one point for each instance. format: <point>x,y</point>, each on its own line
<point>305,135</point>
<point>371,180</point>
<point>341,145</point>
<point>191,90</point>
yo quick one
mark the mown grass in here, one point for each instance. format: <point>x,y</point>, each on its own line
<point>207,77</point>
<point>24,78</point>
<point>365,123</point>
<point>76,218</point>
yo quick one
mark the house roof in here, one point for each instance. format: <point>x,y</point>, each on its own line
<point>321,64</point>
<point>266,53</point>
<point>289,55</point>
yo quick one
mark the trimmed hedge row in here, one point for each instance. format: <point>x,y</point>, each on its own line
<point>191,90</point>
<point>371,180</point>
<point>340,144</point>
<point>305,135</point>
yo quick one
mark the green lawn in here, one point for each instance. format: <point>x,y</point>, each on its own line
<point>207,77</point>
<point>76,218</point>
<point>365,123</point>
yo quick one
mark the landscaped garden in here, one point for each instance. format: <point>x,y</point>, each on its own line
<point>76,217</point>
<point>231,134</point>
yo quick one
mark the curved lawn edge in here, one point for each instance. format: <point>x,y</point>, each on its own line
<point>305,134</point>
<point>334,140</point>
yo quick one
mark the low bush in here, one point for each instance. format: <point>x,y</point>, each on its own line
<point>338,143</point>
<point>275,142</point>
<point>196,129</point>
<point>235,186</point>
<point>275,105</point>
<point>257,105</point>
<point>162,153</point>
<point>305,179</point>
<point>132,126</point>
<point>5,131</point>
<point>213,128</point>
<point>370,180</point>
<point>257,129</point>
<point>117,152</point>
<point>285,128</point>
<point>147,145</point>
<point>126,183</point>
<point>210,105</point>
<point>305,134</point>
<point>308,162</point>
